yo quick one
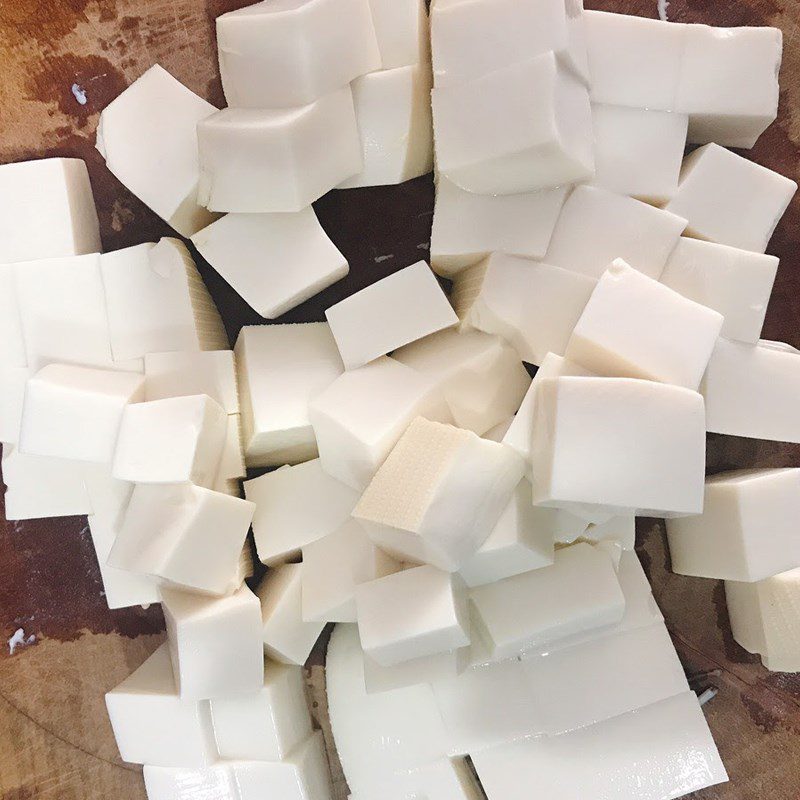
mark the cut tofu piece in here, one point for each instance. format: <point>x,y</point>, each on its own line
<point>481,377</point>
<point>266,160</point>
<point>375,321</point>
<point>12,343</point>
<point>647,442</point>
<point>532,305</point>
<point>730,200</point>
<point>276,55</point>
<point>427,669</point>
<point>52,189</point>
<point>402,32</point>
<point>286,636</point>
<point>180,374</point>
<point>281,368</point>
<point>524,127</point>
<point>438,495</point>
<point>215,643</point>
<point>294,507</point>
<point>12,396</point>
<point>746,531</point>
<point>729,83</point>
<point>468,226</point>
<point>176,440</point>
<point>355,433</point>
<point>597,226</point>
<point>635,327</point>
<point>148,138</point>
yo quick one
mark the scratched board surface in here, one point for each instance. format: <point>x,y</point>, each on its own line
<point>55,740</point>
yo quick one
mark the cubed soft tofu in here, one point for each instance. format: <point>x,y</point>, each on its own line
<point>379,319</point>
<point>53,189</point>
<point>296,506</point>
<point>427,669</point>
<point>176,440</point>
<point>532,305</point>
<point>266,160</point>
<point>635,327</point>
<point>180,373</point>
<point>290,53</point>
<point>12,396</point>
<point>468,226</point>
<point>730,200</point>
<point>401,27</point>
<point>524,127</point>
<point>597,226</point>
<point>12,343</point>
<point>281,368</point>
<point>647,442</point>
<point>148,138</point>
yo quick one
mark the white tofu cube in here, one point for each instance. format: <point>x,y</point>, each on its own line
<point>281,368</point>
<point>180,374</point>
<point>148,138</point>
<point>468,226</point>
<point>215,643</point>
<point>376,320</point>
<point>274,261</point>
<point>286,636</point>
<point>171,783</point>
<point>746,531</point>
<point>264,160</point>
<point>12,396</point>
<point>428,669</point>
<point>294,507</point>
<point>53,189</point>
<point>730,200</point>
<point>647,442</point>
<point>12,343</point>
<point>527,126</point>
<point>438,495</point>
<point>275,55</point>
<point>419,612</point>
<point>402,32</point>
<point>481,377</point>
<point>176,440</point>
<point>597,226</point>
<point>354,432</point>
<point>532,305</point>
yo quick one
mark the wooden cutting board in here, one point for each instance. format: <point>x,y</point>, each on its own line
<point>55,740</point>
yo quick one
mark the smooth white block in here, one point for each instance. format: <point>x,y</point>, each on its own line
<point>281,368</point>
<point>274,261</point>
<point>148,139</point>
<point>401,27</point>
<point>647,443</point>
<point>597,226</point>
<point>263,160</point>
<point>444,779</point>
<point>53,189</point>
<point>635,327</point>
<point>12,343</point>
<point>439,494</point>
<point>215,643</point>
<point>468,226</point>
<point>12,396</point>
<point>524,127</point>
<point>427,669</point>
<point>736,283</point>
<point>294,507</point>
<point>274,55</point>
<point>376,320</point>
<point>217,782</point>
<point>532,305</point>
<point>730,200</point>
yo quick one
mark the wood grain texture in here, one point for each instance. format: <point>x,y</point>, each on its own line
<point>55,741</point>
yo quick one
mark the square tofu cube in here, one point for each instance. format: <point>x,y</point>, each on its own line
<point>532,305</point>
<point>262,160</point>
<point>635,327</point>
<point>281,368</point>
<point>376,320</point>
<point>274,261</point>
<point>12,396</point>
<point>419,612</point>
<point>52,189</point>
<point>354,432</point>
<point>148,137</point>
<point>215,643</point>
<point>527,126</point>
<point>730,200</point>
<point>647,441</point>
<point>181,374</point>
<point>75,412</point>
<point>439,494</point>
<point>596,226</point>
<point>402,32</point>
<point>747,530</point>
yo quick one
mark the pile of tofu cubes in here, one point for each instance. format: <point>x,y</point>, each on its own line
<point>470,530</point>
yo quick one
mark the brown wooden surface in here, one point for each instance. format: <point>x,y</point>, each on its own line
<point>55,741</point>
